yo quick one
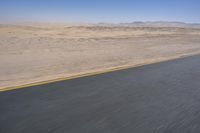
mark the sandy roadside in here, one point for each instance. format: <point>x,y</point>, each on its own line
<point>36,53</point>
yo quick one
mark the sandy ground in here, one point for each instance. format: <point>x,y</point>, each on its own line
<point>32,53</point>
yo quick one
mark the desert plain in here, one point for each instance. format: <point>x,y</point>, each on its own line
<point>38,52</point>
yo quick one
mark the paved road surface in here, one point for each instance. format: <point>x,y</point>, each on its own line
<point>158,98</point>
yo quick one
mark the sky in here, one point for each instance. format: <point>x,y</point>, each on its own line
<point>97,11</point>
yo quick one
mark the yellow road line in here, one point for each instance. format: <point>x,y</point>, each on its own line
<point>90,74</point>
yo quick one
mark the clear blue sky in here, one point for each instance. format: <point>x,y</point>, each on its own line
<point>100,10</point>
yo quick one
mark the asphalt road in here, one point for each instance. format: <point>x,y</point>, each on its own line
<point>157,98</point>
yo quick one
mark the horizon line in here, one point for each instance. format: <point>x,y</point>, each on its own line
<point>79,22</point>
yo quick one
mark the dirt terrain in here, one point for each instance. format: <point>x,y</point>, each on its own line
<point>38,52</point>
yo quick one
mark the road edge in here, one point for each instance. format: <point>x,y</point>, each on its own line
<point>3,89</point>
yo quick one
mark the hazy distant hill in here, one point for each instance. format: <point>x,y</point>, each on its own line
<point>133,24</point>
<point>154,24</point>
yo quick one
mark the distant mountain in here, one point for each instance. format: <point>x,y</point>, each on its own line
<point>161,24</point>
<point>153,24</point>
<point>133,24</point>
